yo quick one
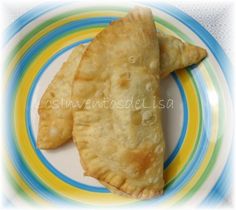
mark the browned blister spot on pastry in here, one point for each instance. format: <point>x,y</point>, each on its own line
<point>139,159</point>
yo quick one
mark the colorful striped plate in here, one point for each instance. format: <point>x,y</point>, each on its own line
<point>198,127</point>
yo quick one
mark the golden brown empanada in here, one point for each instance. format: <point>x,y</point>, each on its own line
<point>55,115</point>
<point>175,54</point>
<point>121,145</point>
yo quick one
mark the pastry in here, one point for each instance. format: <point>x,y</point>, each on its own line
<point>55,126</point>
<point>121,146</point>
<point>175,54</point>
<point>55,115</point>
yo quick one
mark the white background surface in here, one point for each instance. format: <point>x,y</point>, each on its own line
<point>216,16</point>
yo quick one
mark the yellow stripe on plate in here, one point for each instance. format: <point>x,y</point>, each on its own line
<point>30,193</point>
<point>212,142</point>
<point>192,129</point>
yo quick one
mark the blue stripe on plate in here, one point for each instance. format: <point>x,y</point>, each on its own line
<point>184,126</point>
<point>27,18</point>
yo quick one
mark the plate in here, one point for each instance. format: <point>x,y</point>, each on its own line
<point>197,116</point>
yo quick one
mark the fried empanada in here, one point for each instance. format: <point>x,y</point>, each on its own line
<point>175,54</point>
<point>55,114</point>
<point>121,145</point>
<point>55,126</point>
